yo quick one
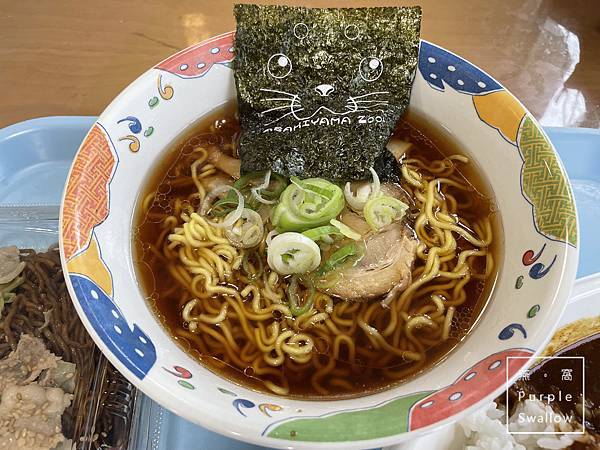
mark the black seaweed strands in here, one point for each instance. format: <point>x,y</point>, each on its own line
<point>320,90</point>
<point>43,309</point>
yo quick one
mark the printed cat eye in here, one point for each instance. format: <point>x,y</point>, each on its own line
<point>370,68</point>
<point>279,66</point>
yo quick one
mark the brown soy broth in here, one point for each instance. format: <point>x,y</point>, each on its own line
<point>154,279</point>
<point>167,297</point>
<point>435,143</point>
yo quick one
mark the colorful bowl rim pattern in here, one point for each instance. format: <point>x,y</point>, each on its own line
<point>132,343</point>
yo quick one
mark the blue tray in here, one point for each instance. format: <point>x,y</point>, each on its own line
<point>579,149</point>
<point>35,157</point>
<point>34,161</point>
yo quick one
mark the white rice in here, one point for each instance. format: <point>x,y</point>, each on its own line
<point>486,428</point>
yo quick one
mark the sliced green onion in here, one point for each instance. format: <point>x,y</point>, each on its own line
<point>308,188</point>
<point>245,185</point>
<point>270,235</point>
<point>363,194</point>
<point>326,233</point>
<point>230,201</point>
<point>256,191</point>
<point>265,182</point>
<point>307,204</point>
<point>382,211</point>
<point>357,201</point>
<point>270,184</point>
<point>338,258</point>
<point>345,230</point>
<point>247,234</point>
<point>247,180</point>
<point>256,195</point>
<point>257,187</point>
<point>276,187</point>
<point>293,253</point>
<point>225,205</point>
<point>233,216</point>
<point>298,307</point>
<point>376,186</point>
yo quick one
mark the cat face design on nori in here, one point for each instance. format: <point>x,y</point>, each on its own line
<point>321,90</point>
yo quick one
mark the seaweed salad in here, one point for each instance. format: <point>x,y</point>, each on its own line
<point>320,90</point>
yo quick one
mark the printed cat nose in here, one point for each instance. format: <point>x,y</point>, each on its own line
<point>324,89</point>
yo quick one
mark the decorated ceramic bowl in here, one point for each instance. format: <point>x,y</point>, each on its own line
<point>536,268</point>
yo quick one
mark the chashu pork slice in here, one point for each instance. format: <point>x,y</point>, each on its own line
<point>387,264</point>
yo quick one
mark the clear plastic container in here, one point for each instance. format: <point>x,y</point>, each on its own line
<point>105,407</point>
<point>35,157</point>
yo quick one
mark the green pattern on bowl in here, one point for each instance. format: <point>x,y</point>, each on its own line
<point>545,185</point>
<point>356,425</point>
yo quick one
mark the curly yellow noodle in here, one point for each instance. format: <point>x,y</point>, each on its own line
<point>262,312</point>
<point>309,319</point>
<point>447,322</point>
<point>250,352</point>
<point>227,333</point>
<point>341,383</point>
<point>243,319</point>
<point>323,302</point>
<point>203,154</point>
<point>213,306</point>
<point>231,352</point>
<point>315,379</point>
<point>280,390</point>
<point>193,337</point>
<point>188,317</point>
<point>346,340</point>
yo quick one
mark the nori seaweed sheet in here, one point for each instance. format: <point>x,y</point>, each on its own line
<point>387,167</point>
<point>320,90</point>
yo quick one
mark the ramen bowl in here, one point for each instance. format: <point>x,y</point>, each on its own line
<point>536,267</point>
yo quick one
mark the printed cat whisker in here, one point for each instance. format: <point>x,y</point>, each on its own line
<point>358,108</point>
<point>362,103</point>
<point>278,92</point>
<point>353,105</point>
<point>371,101</point>
<point>370,94</point>
<point>293,111</point>
<point>286,99</point>
<point>372,106</point>
<point>277,108</point>
<point>378,110</point>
